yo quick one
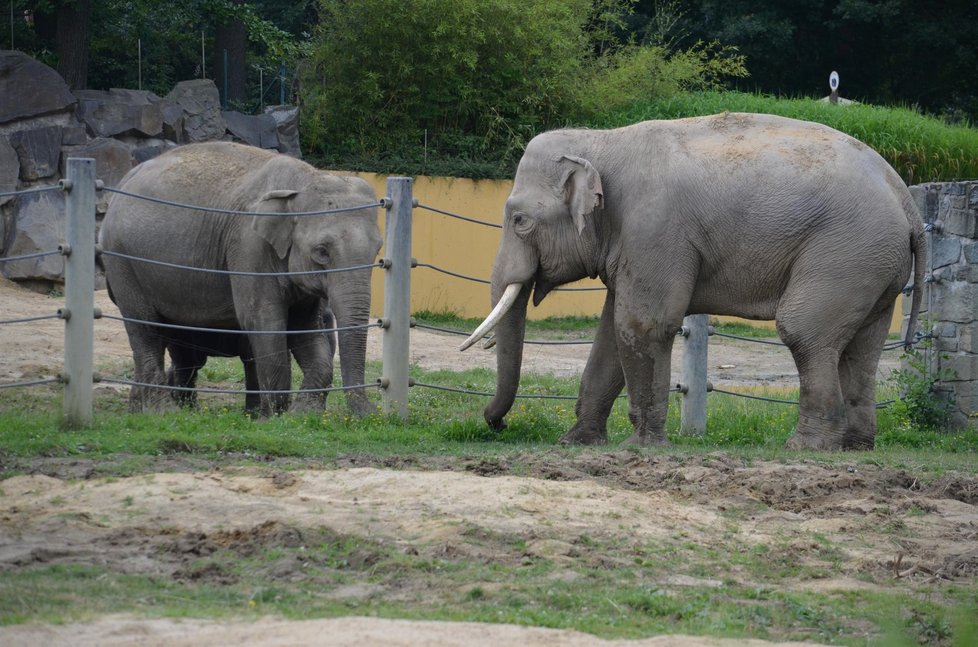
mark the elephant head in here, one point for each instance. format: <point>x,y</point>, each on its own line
<point>551,234</point>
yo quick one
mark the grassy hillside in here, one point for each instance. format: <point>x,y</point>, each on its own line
<point>920,148</point>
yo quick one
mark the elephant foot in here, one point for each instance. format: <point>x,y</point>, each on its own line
<point>818,433</point>
<point>308,403</point>
<point>496,424</point>
<point>638,439</point>
<point>581,434</point>
<point>150,400</point>
<point>860,440</point>
<point>359,405</point>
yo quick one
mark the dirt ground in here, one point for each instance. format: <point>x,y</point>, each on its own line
<point>893,528</point>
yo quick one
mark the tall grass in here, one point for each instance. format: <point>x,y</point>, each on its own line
<point>920,148</point>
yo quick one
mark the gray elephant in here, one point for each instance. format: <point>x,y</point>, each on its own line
<point>190,350</point>
<point>755,216</point>
<point>236,177</point>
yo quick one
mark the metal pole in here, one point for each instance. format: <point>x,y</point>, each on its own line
<point>281,84</point>
<point>79,310</point>
<point>397,296</point>
<point>225,79</point>
<point>693,413</point>
<point>139,49</point>
<point>203,61</point>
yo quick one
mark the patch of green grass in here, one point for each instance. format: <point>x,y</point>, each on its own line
<point>610,590</point>
<point>439,422</point>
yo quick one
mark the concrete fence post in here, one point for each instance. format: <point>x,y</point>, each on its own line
<point>397,296</point>
<point>79,310</point>
<point>693,410</point>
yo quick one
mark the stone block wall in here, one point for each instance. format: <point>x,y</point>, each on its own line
<point>950,304</point>
<point>43,123</point>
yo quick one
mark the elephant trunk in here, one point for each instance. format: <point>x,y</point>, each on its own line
<point>509,355</point>
<point>353,310</point>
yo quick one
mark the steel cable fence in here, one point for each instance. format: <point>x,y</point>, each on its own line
<point>385,323</point>
<point>204,270</point>
<point>710,388</point>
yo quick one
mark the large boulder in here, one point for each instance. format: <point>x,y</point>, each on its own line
<point>287,124</point>
<point>38,227</point>
<point>38,150</point>
<point>113,160</point>
<point>108,113</point>
<point>29,88</point>
<point>9,171</point>
<point>201,103</point>
<point>257,130</point>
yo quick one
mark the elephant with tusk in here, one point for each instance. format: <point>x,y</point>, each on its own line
<point>750,215</point>
<point>274,269</point>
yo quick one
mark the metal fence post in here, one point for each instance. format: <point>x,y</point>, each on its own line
<point>397,296</point>
<point>79,310</point>
<point>693,412</point>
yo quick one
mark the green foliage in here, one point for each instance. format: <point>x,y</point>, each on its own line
<point>636,74</point>
<point>920,148</point>
<point>403,86</point>
<point>920,405</point>
<point>475,75</point>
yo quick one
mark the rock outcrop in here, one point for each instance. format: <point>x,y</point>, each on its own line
<point>43,123</point>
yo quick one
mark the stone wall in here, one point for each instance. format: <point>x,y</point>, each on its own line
<point>43,123</point>
<point>950,303</point>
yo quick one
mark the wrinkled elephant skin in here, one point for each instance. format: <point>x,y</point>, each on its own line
<point>754,216</point>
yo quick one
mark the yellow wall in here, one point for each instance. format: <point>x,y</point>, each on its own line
<point>469,249</point>
<point>465,248</point>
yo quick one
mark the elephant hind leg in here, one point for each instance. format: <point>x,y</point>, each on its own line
<point>822,421</point>
<point>148,348</point>
<point>815,340</point>
<point>857,374</point>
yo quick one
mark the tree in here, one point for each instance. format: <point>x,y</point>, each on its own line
<point>230,42</point>
<point>63,27</point>
<point>886,51</point>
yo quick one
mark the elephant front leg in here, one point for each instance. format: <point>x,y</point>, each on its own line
<point>647,370</point>
<point>601,383</point>
<point>274,370</point>
<point>310,352</point>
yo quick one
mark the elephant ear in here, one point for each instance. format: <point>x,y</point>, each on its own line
<point>582,189</point>
<point>277,231</point>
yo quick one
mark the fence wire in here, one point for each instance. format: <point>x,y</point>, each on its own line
<point>167,387</point>
<point>48,380</point>
<point>340,210</point>
<point>238,212</point>
<point>235,331</point>
<point>24,257</point>
<point>458,217</point>
<point>205,270</point>
<point>39,189</point>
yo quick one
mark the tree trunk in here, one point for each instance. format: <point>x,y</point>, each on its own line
<point>231,37</point>
<point>66,31</point>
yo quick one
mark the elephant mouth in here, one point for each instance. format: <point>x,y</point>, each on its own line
<point>541,288</point>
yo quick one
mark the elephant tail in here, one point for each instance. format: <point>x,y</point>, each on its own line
<point>918,247</point>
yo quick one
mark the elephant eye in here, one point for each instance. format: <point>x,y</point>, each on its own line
<point>320,254</point>
<point>522,223</point>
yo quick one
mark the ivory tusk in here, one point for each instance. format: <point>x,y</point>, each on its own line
<point>502,307</point>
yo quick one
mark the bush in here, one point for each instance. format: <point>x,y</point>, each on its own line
<point>477,77</point>
<point>431,85</point>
